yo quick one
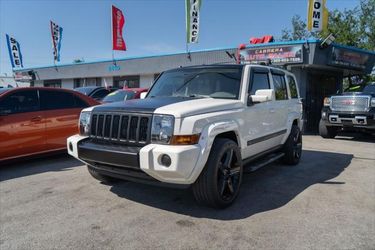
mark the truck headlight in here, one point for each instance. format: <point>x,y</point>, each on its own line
<point>162,129</point>
<point>372,102</point>
<point>84,123</point>
<point>327,101</point>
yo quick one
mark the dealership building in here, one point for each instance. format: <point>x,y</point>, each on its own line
<point>319,69</point>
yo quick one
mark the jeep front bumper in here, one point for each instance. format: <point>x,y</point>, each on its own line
<point>141,163</point>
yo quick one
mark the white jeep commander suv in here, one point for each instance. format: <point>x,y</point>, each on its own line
<point>198,126</point>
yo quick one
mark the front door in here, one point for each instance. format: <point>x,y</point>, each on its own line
<point>259,122</point>
<point>22,125</point>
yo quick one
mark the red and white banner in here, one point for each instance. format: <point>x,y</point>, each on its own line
<point>118,21</point>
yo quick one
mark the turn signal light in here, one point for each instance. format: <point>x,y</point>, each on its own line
<point>185,139</point>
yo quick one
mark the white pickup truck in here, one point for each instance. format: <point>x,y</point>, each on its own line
<point>198,126</point>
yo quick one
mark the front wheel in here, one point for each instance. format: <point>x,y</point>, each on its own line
<point>325,131</point>
<point>219,183</point>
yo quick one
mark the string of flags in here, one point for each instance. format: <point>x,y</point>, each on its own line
<point>317,21</point>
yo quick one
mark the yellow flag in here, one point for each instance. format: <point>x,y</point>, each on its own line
<point>317,15</point>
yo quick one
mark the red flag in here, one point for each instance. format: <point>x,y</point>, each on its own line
<point>118,21</point>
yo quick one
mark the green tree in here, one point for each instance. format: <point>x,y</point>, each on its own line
<point>355,27</point>
<point>298,31</point>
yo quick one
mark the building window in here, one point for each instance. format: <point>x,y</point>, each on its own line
<point>126,81</point>
<point>84,82</point>
<point>52,83</point>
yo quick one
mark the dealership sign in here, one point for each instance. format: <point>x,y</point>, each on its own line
<point>348,59</point>
<point>277,55</point>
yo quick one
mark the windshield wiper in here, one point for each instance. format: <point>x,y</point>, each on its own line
<point>197,95</point>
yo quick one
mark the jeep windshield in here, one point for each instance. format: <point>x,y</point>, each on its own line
<point>211,82</point>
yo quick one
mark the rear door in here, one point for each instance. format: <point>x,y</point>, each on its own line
<point>22,124</point>
<point>279,110</point>
<point>61,110</point>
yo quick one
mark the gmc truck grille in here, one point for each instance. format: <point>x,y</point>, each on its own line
<point>128,129</point>
<point>349,103</point>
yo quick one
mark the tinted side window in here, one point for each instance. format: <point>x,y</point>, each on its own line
<point>259,81</point>
<point>292,87</point>
<point>20,102</point>
<point>281,92</point>
<point>100,94</point>
<point>60,100</point>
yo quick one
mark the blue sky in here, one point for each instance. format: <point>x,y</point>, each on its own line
<point>152,26</point>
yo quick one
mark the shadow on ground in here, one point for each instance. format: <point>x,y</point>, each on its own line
<point>353,136</point>
<point>266,189</point>
<point>31,166</point>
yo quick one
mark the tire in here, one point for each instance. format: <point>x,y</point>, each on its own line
<point>102,178</point>
<point>326,132</point>
<point>219,183</point>
<point>293,147</point>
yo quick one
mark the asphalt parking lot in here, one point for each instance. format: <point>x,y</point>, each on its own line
<point>326,202</point>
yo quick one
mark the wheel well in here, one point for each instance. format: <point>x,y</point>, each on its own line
<point>228,135</point>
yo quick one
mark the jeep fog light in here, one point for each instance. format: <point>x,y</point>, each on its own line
<point>165,160</point>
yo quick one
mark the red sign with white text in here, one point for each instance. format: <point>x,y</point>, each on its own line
<point>118,21</point>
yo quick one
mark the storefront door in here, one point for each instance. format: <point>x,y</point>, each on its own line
<point>319,86</point>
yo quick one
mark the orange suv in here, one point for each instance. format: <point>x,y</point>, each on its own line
<point>38,120</point>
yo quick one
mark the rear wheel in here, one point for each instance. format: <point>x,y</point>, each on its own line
<point>325,131</point>
<point>220,181</point>
<point>293,146</point>
<point>102,178</point>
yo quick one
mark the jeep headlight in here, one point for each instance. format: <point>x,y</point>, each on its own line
<point>84,123</point>
<point>162,129</point>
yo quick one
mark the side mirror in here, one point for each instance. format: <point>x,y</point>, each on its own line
<point>261,95</point>
<point>143,95</point>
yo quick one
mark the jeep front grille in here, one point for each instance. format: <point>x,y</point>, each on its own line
<point>121,128</point>
<point>349,103</point>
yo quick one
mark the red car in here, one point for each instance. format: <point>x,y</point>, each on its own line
<point>38,120</point>
<point>124,94</point>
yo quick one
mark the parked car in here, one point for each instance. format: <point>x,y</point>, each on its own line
<point>95,92</point>
<point>348,111</point>
<point>38,120</point>
<point>198,126</point>
<point>124,94</point>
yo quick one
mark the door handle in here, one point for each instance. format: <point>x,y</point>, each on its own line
<point>272,110</point>
<point>36,119</point>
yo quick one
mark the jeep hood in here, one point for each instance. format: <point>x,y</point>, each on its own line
<point>176,106</point>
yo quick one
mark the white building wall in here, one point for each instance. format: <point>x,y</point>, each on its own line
<point>145,81</point>
<point>67,83</point>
